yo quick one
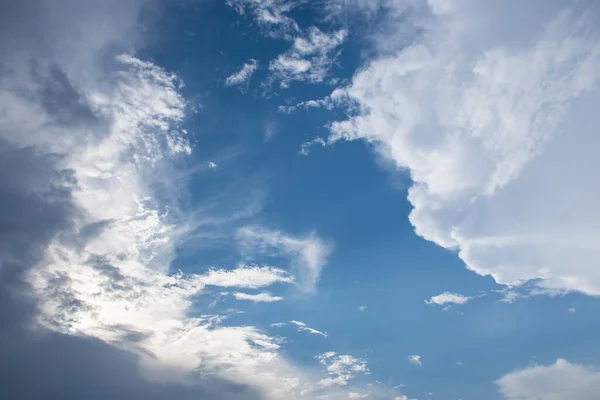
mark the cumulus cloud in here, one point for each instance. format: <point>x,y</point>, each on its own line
<point>308,254</point>
<point>448,298</point>
<point>242,77</point>
<point>501,147</point>
<point>257,298</point>
<point>561,380</point>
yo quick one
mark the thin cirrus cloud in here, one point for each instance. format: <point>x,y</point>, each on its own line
<point>510,116</point>
<point>308,255</point>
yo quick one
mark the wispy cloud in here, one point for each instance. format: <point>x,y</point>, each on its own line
<point>448,298</point>
<point>242,77</point>
<point>270,14</point>
<point>301,326</point>
<point>340,368</point>
<point>308,254</point>
<point>251,277</point>
<point>309,59</point>
<point>415,359</point>
<point>257,298</point>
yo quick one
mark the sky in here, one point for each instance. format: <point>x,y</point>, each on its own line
<point>299,199</point>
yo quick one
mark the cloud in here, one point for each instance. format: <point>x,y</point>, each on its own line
<point>243,76</point>
<point>416,359</point>
<point>309,59</point>
<point>212,165</point>
<point>340,368</point>
<point>269,14</point>
<point>362,308</point>
<point>572,310</point>
<point>251,277</point>
<point>561,380</point>
<point>302,327</point>
<point>448,298</point>
<point>308,255</point>
<point>90,143</point>
<point>510,115</point>
<point>257,298</point>
<point>355,395</point>
<point>305,148</point>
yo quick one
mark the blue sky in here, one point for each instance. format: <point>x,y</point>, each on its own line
<point>295,199</point>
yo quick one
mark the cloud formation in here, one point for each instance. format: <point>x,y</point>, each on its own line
<point>500,148</point>
<point>309,59</point>
<point>90,139</point>
<point>257,298</point>
<point>561,380</point>
<point>340,368</point>
<point>448,298</point>
<point>308,255</point>
<point>302,327</point>
<point>242,77</point>
<point>415,359</point>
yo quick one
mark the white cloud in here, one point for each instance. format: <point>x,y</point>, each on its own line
<point>251,277</point>
<point>242,77</point>
<point>355,395</point>
<point>309,59</point>
<point>308,254</point>
<point>448,298</point>
<point>270,14</point>
<point>340,368</point>
<point>558,381</point>
<point>362,308</point>
<point>302,327</point>
<point>510,116</point>
<point>111,128</point>
<point>257,298</point>
<point>572,310</point>
<point>305,148</point>
<point>415,359</point>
